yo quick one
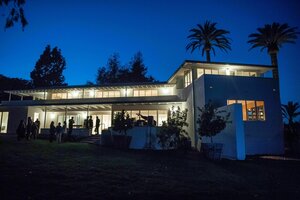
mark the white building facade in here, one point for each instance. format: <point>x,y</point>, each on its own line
<point>248,92</point>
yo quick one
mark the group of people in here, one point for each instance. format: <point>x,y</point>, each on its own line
<point>58,132</point>
<point>89,124</point>
<point>28,130</point>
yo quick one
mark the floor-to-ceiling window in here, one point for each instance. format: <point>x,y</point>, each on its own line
<point>3,122</point>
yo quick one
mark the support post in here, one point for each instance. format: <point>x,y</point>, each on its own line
<point>45,117</point>
<point>9,97</point>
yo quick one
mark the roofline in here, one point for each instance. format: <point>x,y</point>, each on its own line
<point>92,86</point>
<point>221,63</point>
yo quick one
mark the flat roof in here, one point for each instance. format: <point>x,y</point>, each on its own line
<point>204,64</point>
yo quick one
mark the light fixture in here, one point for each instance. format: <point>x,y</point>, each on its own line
<point>227,71</point>
<point>92,93</point>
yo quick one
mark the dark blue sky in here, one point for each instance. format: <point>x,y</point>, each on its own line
<point>88,32</point>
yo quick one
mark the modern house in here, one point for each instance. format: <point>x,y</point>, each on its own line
<point>248,92</point>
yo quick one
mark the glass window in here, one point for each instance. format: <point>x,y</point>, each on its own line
<point>260,105</point>
<point>188,78</point>
<point>148,93</point>
<point>215,71</point>
<point>200,72</point>
<point>105,94</point>
<point>162,116</point>
<point>229,102</point>
<point>3,121</point>
<point>253,74</point>
<point>246,73</point>
<point>222,72</point>
<point>207,71</point>
<point>135,93</point>
<point>154,93</point>
<point>239,73</point>
<point>98,94</point>
<point>59,96</point>
<point>251,110</point>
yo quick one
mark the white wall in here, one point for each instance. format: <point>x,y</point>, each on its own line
<point>232,137</point>
<point>261,137</point>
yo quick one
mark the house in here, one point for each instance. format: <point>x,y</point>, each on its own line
<point>248,92</point>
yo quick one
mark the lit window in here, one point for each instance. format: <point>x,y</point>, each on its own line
<point>188,78</point>
<point>200,72</point>
<point>260,105</point>
<point>3,122</point>
<point>207,71</point>
<point>215,71</point>
<point>252,110</point>
<point>155,93</point>
<point>98,94</point>
<point>253,74</point>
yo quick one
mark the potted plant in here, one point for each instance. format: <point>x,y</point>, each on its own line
<point>172,133</point>
<point>211,122</point>
<point>122,122</point>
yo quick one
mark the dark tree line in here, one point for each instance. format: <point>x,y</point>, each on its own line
<point>114,72</point>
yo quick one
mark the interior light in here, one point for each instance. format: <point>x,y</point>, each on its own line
<point>227,71</point>
<point>92,93</point>
<point>165,91</point>
<point>75,93</point>
<point>52,115</point>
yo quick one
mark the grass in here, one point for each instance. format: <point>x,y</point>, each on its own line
<point>40,170</point>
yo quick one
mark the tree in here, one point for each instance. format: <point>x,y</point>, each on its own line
<point>115,73</point>
<point>7,83</point>
<point>210,121</point>
<point>16,12</point>
<point>172,133</point>
<point>48,70</point>
<point>138,70</point>
<point>111,73</point>
<point>290,111</point>
<point>272,37</point>
<point>207,37</point>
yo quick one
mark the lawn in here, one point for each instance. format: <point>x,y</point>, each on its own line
<point>40,170</point>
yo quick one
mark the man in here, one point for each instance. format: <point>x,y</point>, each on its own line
<point>28,128</point>
<point>97,125</point>
<point>91,124</point>
<point>71,123</point>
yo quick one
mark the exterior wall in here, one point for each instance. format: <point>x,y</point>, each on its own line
<point>15,115</point>
<point>232,137</point>
<point>261,137</point>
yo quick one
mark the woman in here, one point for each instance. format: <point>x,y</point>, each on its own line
<point>59,131</point>
<point>52,131</point>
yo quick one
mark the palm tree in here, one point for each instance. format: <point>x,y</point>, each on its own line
<point>290,111</point>
<point>207,37</point>
<point>271,37</point>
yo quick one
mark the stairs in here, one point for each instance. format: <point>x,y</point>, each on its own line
<point>94,139</point>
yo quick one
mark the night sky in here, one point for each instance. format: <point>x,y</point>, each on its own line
<point>88,32</point>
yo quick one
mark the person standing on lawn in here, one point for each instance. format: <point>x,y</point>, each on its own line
<point>28,128</point>
<point>91,124</point>
<point>52,132</point>
<point>59,131</point>
<point>71,123</point>
<point>34,130</point>
<point>97,125</point>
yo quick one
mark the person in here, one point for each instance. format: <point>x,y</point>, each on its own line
<point>21,130</point>
<point>37,123</point>
<point>64,130</point>
<point>34,130</point>
<point>91,124</point>
<point>71,123</point>
<point>97,125</point>
<point>59,131</point>
<point>85,123</point>
<point>52,132</point>
<point>28,128</point>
